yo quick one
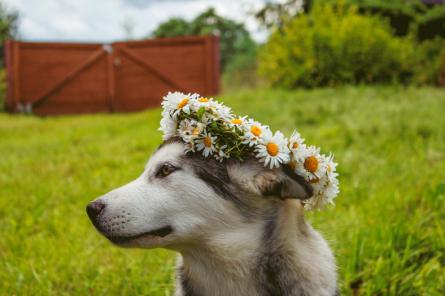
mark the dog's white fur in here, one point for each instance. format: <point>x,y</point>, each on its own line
<point>220,248</point>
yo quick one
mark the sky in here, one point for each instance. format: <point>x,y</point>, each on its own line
<point>105,20</point>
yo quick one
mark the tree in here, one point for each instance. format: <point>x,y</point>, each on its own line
<point>234,38</point>
<point>276,15</point>
<point>172,28</point>
<point>8,27</point>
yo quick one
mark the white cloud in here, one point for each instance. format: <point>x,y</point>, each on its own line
<point>102,20</point>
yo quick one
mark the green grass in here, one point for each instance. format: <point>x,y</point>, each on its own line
<point>387,229</point>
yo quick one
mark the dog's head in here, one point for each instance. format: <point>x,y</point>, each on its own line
<point>179,198</point>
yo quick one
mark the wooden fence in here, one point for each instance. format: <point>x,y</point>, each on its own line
<point>62,78</point>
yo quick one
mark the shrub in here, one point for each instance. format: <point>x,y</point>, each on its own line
<point>335,45</point>
<point>429,62</point>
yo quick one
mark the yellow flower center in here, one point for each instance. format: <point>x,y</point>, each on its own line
<point>255,130</point>
<point>203,100</point>
<point>183,103</point>
<point>236,121</point>
<point>208,142</point>
<point>195,131</point>
<point>272,149</point>
<point>311,164</point>
<point>295,145</point>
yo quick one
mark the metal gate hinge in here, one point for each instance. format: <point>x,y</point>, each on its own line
<point>25,108</point>
<point>108,48</point>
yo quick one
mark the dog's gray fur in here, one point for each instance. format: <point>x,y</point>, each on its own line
<point>239,227</point>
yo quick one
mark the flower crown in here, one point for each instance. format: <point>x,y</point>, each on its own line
<point>211,128</point>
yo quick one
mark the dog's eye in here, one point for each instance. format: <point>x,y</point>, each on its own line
<point>165,170</point>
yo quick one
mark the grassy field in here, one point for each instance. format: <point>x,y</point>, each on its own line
<point>387,229</point>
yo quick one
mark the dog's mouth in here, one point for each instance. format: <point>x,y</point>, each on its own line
<point>157,233</point>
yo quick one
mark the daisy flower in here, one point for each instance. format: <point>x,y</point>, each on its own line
<point>313,166</point>
<point>190,146</point>
<point>199,102</point>
<point>167,126</point>
<point>295,141</point>
<point>324,196</point>
<point>315,202</point>
<point>325,185</point>
<point>297,146</point>
<point>273,151</point>
<point>220,111</point>
<point>206,143</point>
<point>190,129</point>
<point>221,153</point>
<point>318,184</point>
<point>237,121</point>
<point>331,167</point>
<point>176,102</point>
<point>253,132</point>
<point>331,190</point>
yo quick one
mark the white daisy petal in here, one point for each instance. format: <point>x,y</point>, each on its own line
<point>206,144</point>
<point>273,150</point>
<point>254,132</point>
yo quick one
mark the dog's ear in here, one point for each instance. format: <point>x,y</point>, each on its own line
<point>283,182</point>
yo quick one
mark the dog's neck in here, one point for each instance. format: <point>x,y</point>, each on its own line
<point>226,265</point>
<point>236,261</point>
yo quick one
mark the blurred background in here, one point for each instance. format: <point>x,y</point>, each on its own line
<point>361,78</point>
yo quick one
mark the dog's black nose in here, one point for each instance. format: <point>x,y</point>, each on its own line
<point>94,209</point>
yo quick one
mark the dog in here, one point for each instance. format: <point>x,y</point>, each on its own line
<point>238,226</point>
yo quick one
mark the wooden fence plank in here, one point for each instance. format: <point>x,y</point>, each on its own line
<point>16,72</point>
<point>212,67</point>
<point>141,62</point>
<point>59,84</point>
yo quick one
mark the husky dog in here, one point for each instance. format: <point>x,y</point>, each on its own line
<point>238,226</point>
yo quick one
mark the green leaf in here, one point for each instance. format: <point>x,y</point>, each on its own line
<point>214,125</point>
<point>201,112</point>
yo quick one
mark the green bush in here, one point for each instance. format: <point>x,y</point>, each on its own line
<point>429,61</point>
<point>335,45</point>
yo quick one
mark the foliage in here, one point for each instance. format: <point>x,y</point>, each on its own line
<point>331,46</point>
<point>276,14</point>
<point>343,44</point>
<point>429,62</point>
<point>405,16</point>
<point>8,27</point>
<point>172,28</point>
<point>430,23</point>
<point>8,23</point>
<point>387,229</point>
<point>234,38</point>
